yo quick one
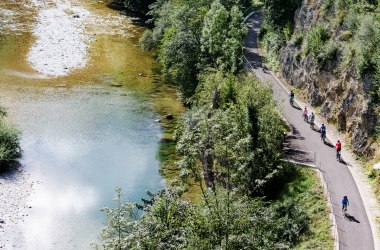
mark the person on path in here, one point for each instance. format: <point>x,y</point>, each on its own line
<point>311,119</point>
<point>338,147</point>
<point>345,204</point>
<point>305,114</point>
<point>291,97</point>
<point>323,132</point>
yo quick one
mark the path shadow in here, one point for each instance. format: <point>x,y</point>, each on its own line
<point>351,218</point>
<point>315,128</point>
<point>296,135</point>
<point>328,143</point>
<point>295,106</point>
<point>342,161</point>
<point>9,170</point>
<point>299,156</point>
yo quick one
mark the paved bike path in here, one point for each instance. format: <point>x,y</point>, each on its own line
<point>355,232</point>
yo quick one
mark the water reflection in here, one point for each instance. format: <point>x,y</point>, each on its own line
<point>78,145</point>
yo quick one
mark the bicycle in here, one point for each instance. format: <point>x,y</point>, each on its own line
<point>323,137</point>
<point>305,117</point>
<point>311,123</point>
<point>344,209</point>
<point>338,155</point>
<point>291,101</point>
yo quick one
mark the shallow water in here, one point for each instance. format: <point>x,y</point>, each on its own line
<point>83,134</point>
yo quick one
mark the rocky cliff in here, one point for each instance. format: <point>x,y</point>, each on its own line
<point>331,83</point>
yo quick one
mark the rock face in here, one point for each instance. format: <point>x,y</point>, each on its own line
<point>343,97</point>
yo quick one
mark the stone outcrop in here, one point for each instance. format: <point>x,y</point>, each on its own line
<point>343,97</point>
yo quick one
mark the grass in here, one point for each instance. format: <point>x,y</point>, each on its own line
<point>308,192</point>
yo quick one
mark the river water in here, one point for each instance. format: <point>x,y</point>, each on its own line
<point>83,133</point>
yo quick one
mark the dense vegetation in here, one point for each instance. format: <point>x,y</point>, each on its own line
<point>228,143</point>
<point>9,141</point>
<point>230,146</point>
<point>348,34</point>
<point>192,36</point>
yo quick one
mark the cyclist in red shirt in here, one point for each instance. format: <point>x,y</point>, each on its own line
<point>338,147</point>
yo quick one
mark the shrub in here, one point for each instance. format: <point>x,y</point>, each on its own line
<point>288,30</point>
<point>316,38</point>
<point>328,51</point>
<point>346,35</point>
<point>272,43</point>
<point>366,44</point>
<point>297,55</point>
<point>352,20</point>
<point>9,142</point>
<point>146,41</point>
<point>297,40</point>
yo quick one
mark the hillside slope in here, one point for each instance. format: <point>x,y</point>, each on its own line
<point>333,57</point>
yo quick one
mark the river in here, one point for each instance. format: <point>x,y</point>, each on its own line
<point>87,125</point>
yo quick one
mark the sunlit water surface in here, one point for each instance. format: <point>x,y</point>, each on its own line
<point>82,136</point>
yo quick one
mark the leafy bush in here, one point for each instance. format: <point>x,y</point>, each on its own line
<point>138,6</point>
<point>298,39</point>
<point>352,20</point>
<point>316,39</point>
<point>272,42</point>
<point>146,41</point>
<point>280,12</point>
<point>222,38</point>
<point>328,51</point>
<point>227,131</point>
<point>346,35</point>
<point>9,142</point>
<point>223,220</point>
<point>366,44</point>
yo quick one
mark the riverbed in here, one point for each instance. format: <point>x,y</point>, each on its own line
<point>88,119</point>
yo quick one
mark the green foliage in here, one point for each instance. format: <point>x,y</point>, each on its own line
<point>120,223</point>
<point>288,30</point>
<point>319,44</point>
<point>196,35</point>
<point>366,42</point>
<point>222,221</point>
<point>346,35</point>
<point>179,56</point>
<point>298,39</point>
<point>272,42</point>
<point>160,12</point>
<point>232,130</point>
<point>316,39</point>
<point>280,12</point>
<point>146,41</point>
<point>328,51</point>
<point>306,190</point>
<point>138,6</point>
<point>9,141</point>
<point>222,46</point>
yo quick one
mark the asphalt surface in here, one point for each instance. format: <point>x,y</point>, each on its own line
<point>354,230</point>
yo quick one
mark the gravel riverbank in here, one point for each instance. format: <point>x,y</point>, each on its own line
<point>15,188</point>
<point>61,42</point>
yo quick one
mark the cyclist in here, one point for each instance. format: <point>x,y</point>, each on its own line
<point>291,97</point>
<point>305,114</point>
<point>311,119</point>
<point>323,132</point>
<point>338,147</point>
<point>345,204</point>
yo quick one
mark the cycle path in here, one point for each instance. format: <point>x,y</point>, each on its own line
<point>355,231</point>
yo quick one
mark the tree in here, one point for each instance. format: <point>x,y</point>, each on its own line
<point>138,6</point>
<point>280,12</point>
<point>222,38</point>
<point>120,223</point>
